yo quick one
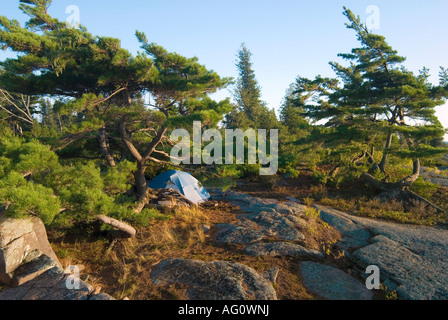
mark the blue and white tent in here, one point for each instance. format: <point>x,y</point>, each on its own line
<point>183,182</point>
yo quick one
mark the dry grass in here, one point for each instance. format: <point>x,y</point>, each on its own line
<point>125,270</point>
<point>392,210</point>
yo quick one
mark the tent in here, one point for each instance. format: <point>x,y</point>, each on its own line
<point>183,182</point>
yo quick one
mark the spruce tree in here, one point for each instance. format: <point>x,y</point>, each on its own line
<point>250,111</point>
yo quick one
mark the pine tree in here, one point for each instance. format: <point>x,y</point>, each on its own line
<point>102,84</point>
<point>382,106</point>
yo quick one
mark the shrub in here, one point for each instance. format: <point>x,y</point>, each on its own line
<point>21,156</point>
<point>311,213</point>
<point>144,218</point>
<point>224,177</point>
<point>392,210</point>
<point>28,199</point>
<point>250,171</point>
<point>308,201</point>
<point>320,177</point>
<point>424,188</point>
<point>118,180</point>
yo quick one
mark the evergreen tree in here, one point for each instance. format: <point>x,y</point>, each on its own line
<point>102,85</point>
<point>300,136</point>
<point>301,98</point>
<point>250,111</point>
<point>381,106</point>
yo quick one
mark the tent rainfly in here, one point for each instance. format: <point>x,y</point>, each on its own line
<point>182,182</point>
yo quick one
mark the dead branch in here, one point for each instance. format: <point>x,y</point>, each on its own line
<point>99,101</point>
<point>23,107</point>
<point>129,231</point>
<point>66,141</point>
<point>357,160</point>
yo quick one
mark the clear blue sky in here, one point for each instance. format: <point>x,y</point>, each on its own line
<point>287,37</point>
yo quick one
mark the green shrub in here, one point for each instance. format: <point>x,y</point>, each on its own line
<point>311,213</point>
<point>28,199</point>
<point>224,177</point>
<point>26,157</point>
<point>424,188</point>
<point>146,217</point>
<point>320,177</point>
<point>35,157</point>
<point>250,171</point>
<point>308,201</point>
<point>118,180</point>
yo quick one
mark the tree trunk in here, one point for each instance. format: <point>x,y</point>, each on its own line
<point>408,181</point>
<point>102,137</point>
<point>142,159</point>
<point>372,181</point>
<point>141,185</point>
<point>382,165</point>
<point>400,190</point>
<point>144,200</point>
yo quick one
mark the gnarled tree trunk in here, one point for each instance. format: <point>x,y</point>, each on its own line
<point>142,159</point>
<point>400,190</point>
<point>141,185</point>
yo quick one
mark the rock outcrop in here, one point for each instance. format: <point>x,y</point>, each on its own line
<point>412,259</point>
<point>333,284</point>
<point>278,249</point>
<point>238,234</point>
<point>163,199</point>
<point>272,229</point>
<point>219,280</point>
<point>22,241</point>
<point>29,268</point>
<point>434,177</point>
<point>53,284</point>
<point>264,219</point>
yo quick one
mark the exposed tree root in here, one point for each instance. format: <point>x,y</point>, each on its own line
<point>148,196</point>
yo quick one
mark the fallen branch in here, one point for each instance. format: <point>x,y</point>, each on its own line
<point>426,201</point>
<point>128,231</point>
